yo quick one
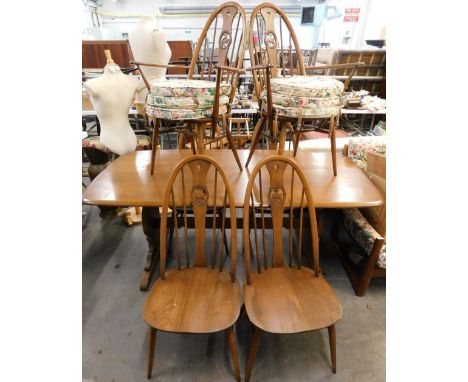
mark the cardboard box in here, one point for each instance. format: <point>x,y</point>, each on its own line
<point>376,164</point>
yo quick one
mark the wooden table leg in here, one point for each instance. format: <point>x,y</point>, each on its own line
<point>150,223</point>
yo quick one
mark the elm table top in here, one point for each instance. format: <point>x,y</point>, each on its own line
<point>127,180</point>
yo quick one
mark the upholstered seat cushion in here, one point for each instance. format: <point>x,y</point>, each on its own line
<point>172,102</point>
<point>307,86</point>
<point>306,111</point>
<point>363,233</point>
<point>187,88</point>
<point>182,114</point>
<point>305,102</point>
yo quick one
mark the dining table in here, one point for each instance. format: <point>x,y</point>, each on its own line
<point>127,181</point>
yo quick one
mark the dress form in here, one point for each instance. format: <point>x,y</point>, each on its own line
<point>112,95</point>
<point>149,45</point>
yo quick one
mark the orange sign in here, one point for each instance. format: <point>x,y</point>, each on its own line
<point>352,10</point>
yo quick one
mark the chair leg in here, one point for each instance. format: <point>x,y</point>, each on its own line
<point>257,134</point>
<point>332,340</point>
<point>252,354</point>
<point>333,143</point>
<point>233,345</point>
<point>151,345</point>
<point>154,146</point>
<point>233,146</point>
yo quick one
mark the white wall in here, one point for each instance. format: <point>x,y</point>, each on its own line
<point>121,16</point>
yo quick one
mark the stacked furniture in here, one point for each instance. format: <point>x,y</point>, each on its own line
<point>288,100</point>
<point>200,102</point>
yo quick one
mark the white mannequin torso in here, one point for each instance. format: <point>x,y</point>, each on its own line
<point>112,95</point>
<point>149,45</point>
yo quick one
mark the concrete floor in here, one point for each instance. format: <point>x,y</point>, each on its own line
<point>115,335</point>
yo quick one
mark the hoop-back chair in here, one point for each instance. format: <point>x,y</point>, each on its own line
<point>207,95</point>
<point>200,296</point>
<point>281,295</point>
<point>270,33</point>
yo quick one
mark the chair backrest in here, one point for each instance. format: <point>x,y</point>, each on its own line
<point>281,192</point>
<point>198,186</point>
<point>222,42</point>
<point>272,41</point>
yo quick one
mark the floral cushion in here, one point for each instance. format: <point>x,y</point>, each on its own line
<point>358,147</point>
<point>363,233</point>
<point>143,143</point>
<point>299,101</point>
<point>307,112</point>
<point>94,142</point>
<point>182,114</point>
<point>308,86</point>
<point>171,102</point>
<point>187,88</point>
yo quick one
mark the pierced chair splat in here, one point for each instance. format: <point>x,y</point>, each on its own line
<point>281,295</point>
<point>204,98</point>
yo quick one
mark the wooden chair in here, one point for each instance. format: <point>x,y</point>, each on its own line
<point>227,37</point>
<point>240,137</point>
<point>284,298</point>
<point>200,296</point>
<point>264,56</point>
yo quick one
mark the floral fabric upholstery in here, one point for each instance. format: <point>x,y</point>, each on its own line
<point>185,99</point>
<point>305,102</point>
<point>308,86</point>
<point>319,96</point>
<point>363,233</point>
<point>143,143</point>
<point>358,147</point>
<point>306,112</point>
<point>94,142</point>
<point>187,88</point>
<point>167,102</point>
<point>182,114</point>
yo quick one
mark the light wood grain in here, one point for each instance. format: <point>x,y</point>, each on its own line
<point>195,300</point>
<point>290,300</point>
<point>127,181</point>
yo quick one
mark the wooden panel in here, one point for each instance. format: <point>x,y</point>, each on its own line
<point>181,50</point>
<point>127,181</point>
<point>92,53</point>
<point>375,66</point>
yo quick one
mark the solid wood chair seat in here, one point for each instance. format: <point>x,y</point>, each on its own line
<point>193,300</point>
<point>290,300</point>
